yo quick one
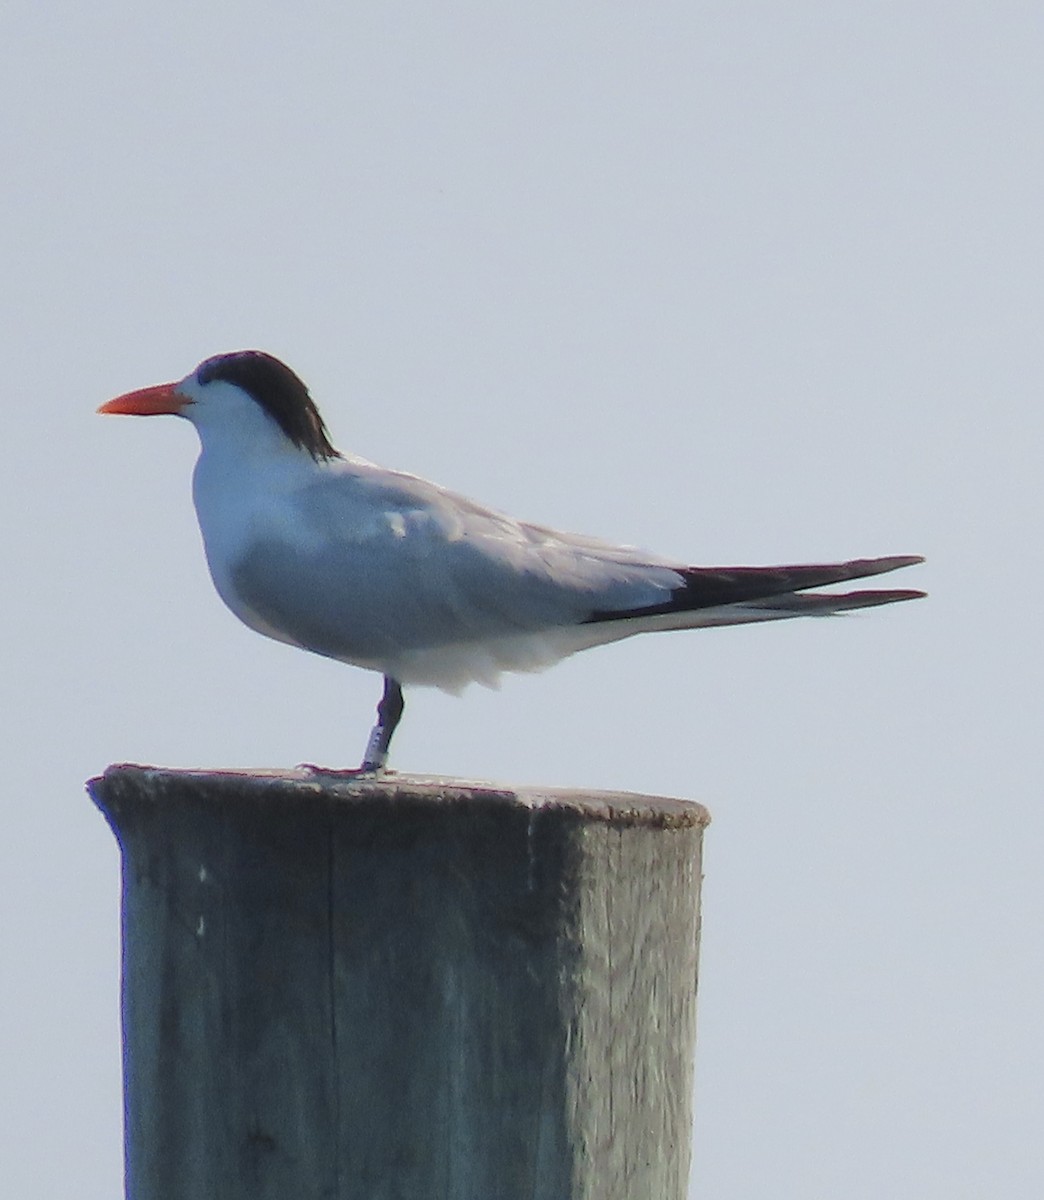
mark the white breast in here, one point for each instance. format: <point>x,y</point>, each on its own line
<point>239,504</point>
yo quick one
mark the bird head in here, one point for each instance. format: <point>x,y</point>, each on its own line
<point>234,389</point>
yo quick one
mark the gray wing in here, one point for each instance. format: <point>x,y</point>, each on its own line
<point>383,563</point>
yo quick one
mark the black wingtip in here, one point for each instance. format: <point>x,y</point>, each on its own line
<point>892,562</point>
<point>719,587</point>
<point>827,603</point>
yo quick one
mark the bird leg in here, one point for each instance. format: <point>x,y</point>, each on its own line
<point>389,713</point>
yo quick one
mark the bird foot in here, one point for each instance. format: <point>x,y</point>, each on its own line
<point>366,771</point>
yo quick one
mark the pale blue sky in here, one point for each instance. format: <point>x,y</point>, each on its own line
<point>744,284</point>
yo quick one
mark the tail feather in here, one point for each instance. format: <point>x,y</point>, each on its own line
<point>774,589</point>
<point>798,604</point>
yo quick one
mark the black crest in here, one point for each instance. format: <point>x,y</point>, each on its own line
<point>278,391</point>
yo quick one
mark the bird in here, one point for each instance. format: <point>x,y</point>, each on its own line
<point>328,552</point>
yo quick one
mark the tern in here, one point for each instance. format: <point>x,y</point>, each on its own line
<point>381,569</point>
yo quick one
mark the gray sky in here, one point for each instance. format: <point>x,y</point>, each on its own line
<point>742,283</point>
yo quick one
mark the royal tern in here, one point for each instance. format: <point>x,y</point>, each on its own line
<point>381,569</point>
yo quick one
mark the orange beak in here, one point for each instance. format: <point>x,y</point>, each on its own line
<point>148,402</point>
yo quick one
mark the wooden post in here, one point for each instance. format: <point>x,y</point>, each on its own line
<point>404,988</point>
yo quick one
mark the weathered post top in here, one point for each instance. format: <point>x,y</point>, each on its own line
<point>404,988</point>
<point>127,785</point>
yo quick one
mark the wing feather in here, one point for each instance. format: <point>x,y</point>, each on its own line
<point>391,572</point>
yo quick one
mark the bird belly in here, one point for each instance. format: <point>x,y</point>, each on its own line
<point>392,615</point>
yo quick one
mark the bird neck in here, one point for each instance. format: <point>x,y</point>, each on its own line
<point>235,464</point>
